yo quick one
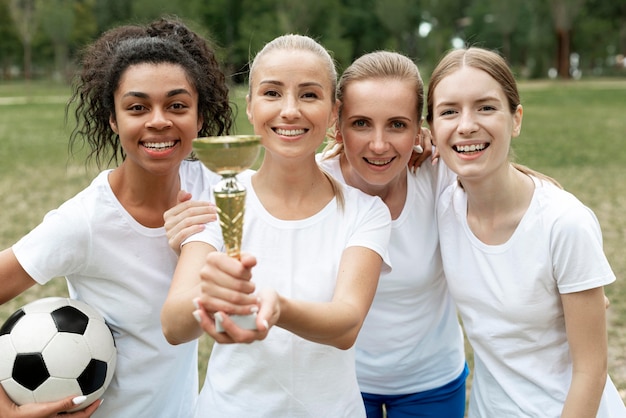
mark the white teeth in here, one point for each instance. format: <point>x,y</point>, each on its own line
<point>470,148</point>
<point>290,132</point>
<point>379,162</point>
<point>158,145</point>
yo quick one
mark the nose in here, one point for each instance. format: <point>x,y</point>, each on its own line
<point>290,108</point>
<point>467,123</point>
<point>378,144</point>
<point>158,120</point>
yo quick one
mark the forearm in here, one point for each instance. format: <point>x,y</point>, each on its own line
<point>177,321</point>
<point>332,323</point>
<point>339,321</point>
<point>583,398</point>
<point>586,331</point>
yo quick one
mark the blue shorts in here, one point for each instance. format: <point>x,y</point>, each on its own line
<point>446,401</point>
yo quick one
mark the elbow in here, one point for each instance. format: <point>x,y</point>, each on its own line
<point>169,329</point>
<point>169,334</point>
<point>170,338</point>
<point>344,345</point>
<point>347,340</point>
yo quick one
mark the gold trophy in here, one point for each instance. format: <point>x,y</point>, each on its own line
<point>229,156</point>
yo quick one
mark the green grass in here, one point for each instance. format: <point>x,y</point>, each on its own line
<point>573,131</point>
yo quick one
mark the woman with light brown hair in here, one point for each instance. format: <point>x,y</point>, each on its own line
<point>523,258</point>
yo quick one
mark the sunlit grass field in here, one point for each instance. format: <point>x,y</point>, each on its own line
<point>573,131</point>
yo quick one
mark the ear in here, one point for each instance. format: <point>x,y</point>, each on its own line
<point>336,125</point>
<point>517,121</point>
<point>338,135</point>
<point>419,137</point>
<point>248,109</point>
<point>334,117</point>
<point>113,124</point>
<point>200,123</point>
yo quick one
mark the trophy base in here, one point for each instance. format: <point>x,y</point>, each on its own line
<point>242,321</point>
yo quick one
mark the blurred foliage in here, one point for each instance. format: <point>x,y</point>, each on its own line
<point>523,31</point>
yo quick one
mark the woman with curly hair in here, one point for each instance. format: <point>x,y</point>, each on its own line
<point>143,94</point>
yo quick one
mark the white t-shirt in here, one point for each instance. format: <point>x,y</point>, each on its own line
<point>285,375</point>
<point>509,299</point>
<point>411,340</point>
<point>123,270</point>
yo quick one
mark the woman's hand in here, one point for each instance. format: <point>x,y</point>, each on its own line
<point>423,150</point>
<point>8,409</point>
<point>188,217</point>
<point>267,316</point>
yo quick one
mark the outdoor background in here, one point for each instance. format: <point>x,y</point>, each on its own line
<point>567,54</point>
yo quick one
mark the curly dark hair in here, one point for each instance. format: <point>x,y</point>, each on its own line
<point>104,62</point>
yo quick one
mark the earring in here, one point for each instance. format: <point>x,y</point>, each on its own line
<point>418,149</point>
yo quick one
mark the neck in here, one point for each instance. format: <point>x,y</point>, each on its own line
<point>495,206</point>
<point>392,193</point>
<point>145,196</point>
<point>296,191</point>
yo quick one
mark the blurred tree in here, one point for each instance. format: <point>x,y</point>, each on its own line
<point>25,17</point>
<point>57,21</point>
<point>563,13</point>
<point>221,19</point>
<point>110,13</point>
<point>522,30</point>
<point>449,18</point>
<point>9,41</point>
<point>362,28</point>
<point>85,27</point>
<point>601,35</point>
<point>401,19</point>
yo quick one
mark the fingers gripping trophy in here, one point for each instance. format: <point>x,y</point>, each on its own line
<point>229,156</point>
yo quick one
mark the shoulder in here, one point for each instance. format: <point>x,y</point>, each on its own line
<point>565,218</point>
<point>193,170</point>
<point>560,205</point>
<point>362,204</point>
<point>99,190</point>
<point>331,166</point>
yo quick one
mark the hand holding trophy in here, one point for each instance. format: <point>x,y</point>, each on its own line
<point>229,156</point>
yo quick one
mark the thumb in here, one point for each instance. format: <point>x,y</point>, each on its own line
<point>183,196</point>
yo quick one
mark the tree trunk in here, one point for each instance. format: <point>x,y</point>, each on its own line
<point>563,52</point>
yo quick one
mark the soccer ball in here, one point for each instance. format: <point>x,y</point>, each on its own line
<point>53,348</point>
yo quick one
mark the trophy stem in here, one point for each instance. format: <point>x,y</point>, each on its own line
<point>230,198</point>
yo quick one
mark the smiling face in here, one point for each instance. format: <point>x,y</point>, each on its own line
<point>472,124</point>
<point>290,103</point>
<point>378,127</point>
<point>156,116</point>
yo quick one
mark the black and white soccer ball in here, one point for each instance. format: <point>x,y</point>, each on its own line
<point>53,348</point>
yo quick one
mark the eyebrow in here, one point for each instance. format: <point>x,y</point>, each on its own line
<point>280,83</point>
<point>479,101</point>
<point>171,93</point>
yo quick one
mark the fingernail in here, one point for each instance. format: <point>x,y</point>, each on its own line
<point>196,303</point>
<point>418,149</point>
<point>218,317</point>
<point>196,315</point>
<point>267,326</point>
<point>254,309</point>
<point>79,399</point>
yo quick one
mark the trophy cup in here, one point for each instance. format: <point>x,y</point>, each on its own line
<point>229,156</point>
